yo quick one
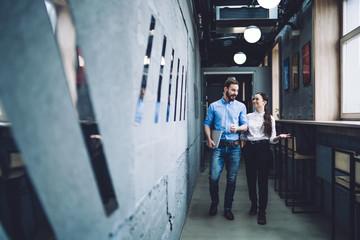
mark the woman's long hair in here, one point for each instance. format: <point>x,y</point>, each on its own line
<point>267,117</point>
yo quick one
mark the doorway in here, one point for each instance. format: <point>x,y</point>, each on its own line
<point>215,88</point>
<point>213,91</point>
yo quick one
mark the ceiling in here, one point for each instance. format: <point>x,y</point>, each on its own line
<point>222,36</point>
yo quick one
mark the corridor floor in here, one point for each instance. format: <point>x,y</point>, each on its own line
<point>281,222</point>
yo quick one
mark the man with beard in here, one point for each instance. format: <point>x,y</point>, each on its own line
<point>228,116</point>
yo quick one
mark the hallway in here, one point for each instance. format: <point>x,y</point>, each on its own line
<point>281,223</point>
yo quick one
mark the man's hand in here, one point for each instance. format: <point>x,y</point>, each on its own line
<point>233,128</point>
<point>211,144</point>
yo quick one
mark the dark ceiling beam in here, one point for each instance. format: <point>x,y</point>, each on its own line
<point>246,23</point>
<point>233,2</point>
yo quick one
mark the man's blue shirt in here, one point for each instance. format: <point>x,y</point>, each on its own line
<point>224,114</point>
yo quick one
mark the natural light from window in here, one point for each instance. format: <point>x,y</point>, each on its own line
<point>350,48</point>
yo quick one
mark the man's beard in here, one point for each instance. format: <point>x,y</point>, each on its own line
<point>229,96</point>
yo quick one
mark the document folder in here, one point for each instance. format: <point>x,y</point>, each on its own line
<point>215,136</point>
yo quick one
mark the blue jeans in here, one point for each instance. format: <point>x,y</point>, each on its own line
<point>230,157</point>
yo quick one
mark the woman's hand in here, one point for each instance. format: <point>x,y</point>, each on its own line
<point>287,135</point>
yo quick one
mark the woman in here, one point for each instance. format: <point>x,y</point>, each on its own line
<point>257,153</point>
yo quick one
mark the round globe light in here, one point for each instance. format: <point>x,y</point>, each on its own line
<point>268,3</point>
<point>239,58</point>
<point>252,34</point>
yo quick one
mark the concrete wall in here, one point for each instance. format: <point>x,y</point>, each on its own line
<point>153,166</point>
<point>297,103</point>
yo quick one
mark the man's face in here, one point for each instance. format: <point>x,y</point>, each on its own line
<point>232,91</point>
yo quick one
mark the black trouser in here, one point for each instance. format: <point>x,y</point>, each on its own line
<point>258,159</point>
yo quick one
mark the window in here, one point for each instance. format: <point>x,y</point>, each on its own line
<point>350,60</point>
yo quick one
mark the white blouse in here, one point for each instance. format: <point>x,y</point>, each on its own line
<point>256,128</point>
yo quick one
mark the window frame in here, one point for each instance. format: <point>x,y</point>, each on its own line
<point>343,40</point>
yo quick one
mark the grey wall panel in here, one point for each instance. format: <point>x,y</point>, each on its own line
<point>36,99</point>
<point>153,167</point>
<point>121,32</point>
<point>178,194</point>
<point>153,208</point>
<point>194,122</point>
<point>193,167</point>
<point>170,139</point>
<point>324,162</point>
<point>114,67</point>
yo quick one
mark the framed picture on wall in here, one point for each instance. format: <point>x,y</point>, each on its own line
<point>295,71</point>
<point>286,74</point>
<point>306,61</point>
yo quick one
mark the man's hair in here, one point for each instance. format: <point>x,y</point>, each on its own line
<point>229,81</point>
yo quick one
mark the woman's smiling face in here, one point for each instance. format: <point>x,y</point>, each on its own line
<point>258,101</point>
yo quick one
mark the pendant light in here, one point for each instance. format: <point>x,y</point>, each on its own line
<point>268,3</point>
<point>239,58</point>
<point>252,34</point>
